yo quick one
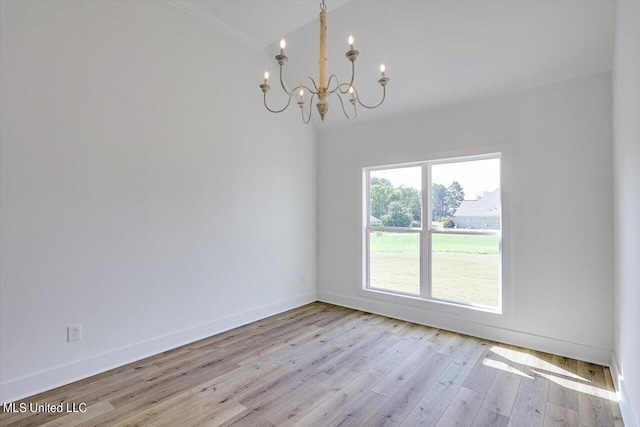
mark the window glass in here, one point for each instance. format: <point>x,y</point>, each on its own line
<point>465,268</point>
<point>466,195</point>
<point>394,261</point>
<point>396,197</point>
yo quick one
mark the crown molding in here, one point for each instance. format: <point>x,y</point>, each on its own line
<point>196,12</point>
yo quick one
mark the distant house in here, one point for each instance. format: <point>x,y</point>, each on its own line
<point>373,220</point>
<point>479,214</point>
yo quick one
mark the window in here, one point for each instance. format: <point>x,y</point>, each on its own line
<point>433,231</point>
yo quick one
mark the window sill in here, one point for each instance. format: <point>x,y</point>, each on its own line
<point>459,310</point>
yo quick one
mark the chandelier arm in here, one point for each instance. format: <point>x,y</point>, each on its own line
<point>317,91</point>
<point>347,85</point>
<point>338,84</point>
<point>282,84</point>
<point>306,121</point>
<point>329,84</point>
<point>301,86</point>
<point>384,94</point>
<point>338,88</point>
<point>276,111</point>
<point>355,111</point>
<point>307,88</point>
<point>353,76</point>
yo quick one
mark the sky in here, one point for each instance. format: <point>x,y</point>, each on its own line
<point>475,176</point>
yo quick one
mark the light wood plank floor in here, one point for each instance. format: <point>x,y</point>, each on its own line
<point>323,365</point>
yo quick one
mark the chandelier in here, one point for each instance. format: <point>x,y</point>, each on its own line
<point>323,89</point>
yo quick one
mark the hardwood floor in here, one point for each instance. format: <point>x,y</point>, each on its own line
<point>323,365</point>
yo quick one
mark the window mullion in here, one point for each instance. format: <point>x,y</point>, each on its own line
<point>366,258</point>
<point>395,229</point>
<point>425,240</point>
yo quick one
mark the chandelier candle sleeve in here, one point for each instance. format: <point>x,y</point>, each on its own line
<point>326,85</point>
<point>323,50</point>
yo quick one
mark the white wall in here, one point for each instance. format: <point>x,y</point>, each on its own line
<point>626,160</point>
<point>146,193</point>
<point>557,185</point>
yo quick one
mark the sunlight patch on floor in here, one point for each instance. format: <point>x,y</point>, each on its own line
<point>515,356</point>
<point>580,387</point>
<point>523,358</point>
<point>504,367</point>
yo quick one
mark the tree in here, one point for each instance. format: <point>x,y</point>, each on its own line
<point>439,206</point>
<point>380,181</point>
<point>398,216</point>
<point>455,197</point>
<point>382,193</point>
<point>415,208</point>
<point>402,206</point>
<point>410,198</point>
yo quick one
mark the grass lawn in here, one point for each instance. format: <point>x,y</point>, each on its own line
<point>464,268</point>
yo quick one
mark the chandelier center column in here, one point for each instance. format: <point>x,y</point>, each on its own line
<point>323,105</point>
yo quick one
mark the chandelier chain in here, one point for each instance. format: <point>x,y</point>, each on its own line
<point>323,6</point>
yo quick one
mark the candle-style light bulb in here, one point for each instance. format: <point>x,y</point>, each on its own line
<point>351,90</point>
<point>350,40</point>
<point>382,69</point>
<point>301,93</point>
<point>283,43</point>
<point>266,77</point>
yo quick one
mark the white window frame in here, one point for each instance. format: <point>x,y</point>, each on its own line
<point>426,231</point>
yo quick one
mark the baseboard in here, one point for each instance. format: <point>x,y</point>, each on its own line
<point>629,416</point>
<point>572,350</point>
<point>21,388</point>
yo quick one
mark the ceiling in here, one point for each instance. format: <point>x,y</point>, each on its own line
<point>264,21</point>
<point>436,52</point>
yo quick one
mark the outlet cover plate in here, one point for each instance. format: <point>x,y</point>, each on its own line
<point>74,333</point>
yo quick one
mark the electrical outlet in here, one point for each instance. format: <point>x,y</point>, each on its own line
<point>74,333</point>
